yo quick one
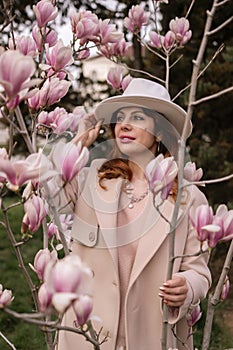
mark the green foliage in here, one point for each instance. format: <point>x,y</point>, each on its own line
<point>23,336</point>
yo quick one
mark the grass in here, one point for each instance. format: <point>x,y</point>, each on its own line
<point>29,337</point>
<point>24,336</point>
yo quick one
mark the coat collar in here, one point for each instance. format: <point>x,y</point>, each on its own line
<point>155,228</point>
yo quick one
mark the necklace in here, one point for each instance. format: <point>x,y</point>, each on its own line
<point>129,191</point>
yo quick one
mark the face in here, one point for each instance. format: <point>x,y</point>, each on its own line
<point>134,131</point>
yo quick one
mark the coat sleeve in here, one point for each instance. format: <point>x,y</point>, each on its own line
<point>194,267</point>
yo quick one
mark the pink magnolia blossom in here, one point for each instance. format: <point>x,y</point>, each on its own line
<point>225,289</point>
<point>59,120</point>
<point>125,81</point>
<point>44,12</point>
<point>3,156</point>
<point>107,33</point>
<point>24,44</point>
<point>161,173</point>
<point>15,72</point>
<point>48,35</point>
<point>69,159</point>
<point>35,167</point>
<point>118,49</point>
<point>114,77</point>
<point>66,222</point>
<point>137,17</point>
<point>156,40</point>
<point>180,27</point>
<point>83,54</point>
<point>51,92</point>
<point>200,218</point>
<point>42,258</point>
<point>83,307</point>
<point>66,280</point>
<point>35,211</point>
<point>169,40</point>
<point>223,219</point>
<point>191,173</point>
<point>5,297</point>
<point>45,298</point>
<point>194,316</point>
<point>58,57</point>
<point>85,25</point>
<point>219,228</point>
<point>78,114</point>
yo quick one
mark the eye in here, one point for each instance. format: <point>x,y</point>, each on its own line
<point>119,119</point>
<point>138,117</point>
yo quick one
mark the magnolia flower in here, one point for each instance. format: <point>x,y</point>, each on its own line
<point>137,18</point>
<point>44,35</point>
<point>44,12</point>
<point>161,173</point>
<point>180,27</point>
<point>85,25</point>
<point>3,156</point>
<point>83,54</point>
<point>69,159</point>
<point>59,120</point>
<point>42,258</point>
<point>213,228</point>
<point>82,308</point>
<point>44,297</point>
<point>107,33</point>
<point>118,49</point>
<point>36,166</point>
<point>15,73</point>
<point>200,218</point>
<point>58,57</point>
<point>222,226</point>
<point>24,44</point>
<point>125,82</point>
<point>35,211</point>
<point>169,40</point>
<point>51,92</point>
<point>194,316</point>
<point>66,222</point>
<point>225,289</point>
<point>5,297</point>
<point>191,173</point>
<point>66,280</point>
<point>156,40</point>
<point>114,77</point>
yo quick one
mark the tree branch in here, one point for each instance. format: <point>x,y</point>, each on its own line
<point>210,97</point>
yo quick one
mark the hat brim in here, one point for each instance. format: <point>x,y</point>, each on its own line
<point>171,111</point>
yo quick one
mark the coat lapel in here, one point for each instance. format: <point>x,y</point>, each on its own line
<point>156,230</point>
<point>106,204</point>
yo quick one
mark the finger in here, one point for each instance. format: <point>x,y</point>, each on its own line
<point>174,290</point>
<point>173,300</point>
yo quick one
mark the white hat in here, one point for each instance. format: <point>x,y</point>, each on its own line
<point>148,94</point>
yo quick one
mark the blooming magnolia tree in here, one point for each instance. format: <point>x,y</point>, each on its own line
<point>34,76</point>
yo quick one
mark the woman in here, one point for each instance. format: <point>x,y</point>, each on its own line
<point>120,235</point>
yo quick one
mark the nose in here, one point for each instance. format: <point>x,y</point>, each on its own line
<point>125,125</point>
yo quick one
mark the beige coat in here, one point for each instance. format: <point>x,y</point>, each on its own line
<point>94,233</point>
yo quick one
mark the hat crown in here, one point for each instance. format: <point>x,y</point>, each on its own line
<point>146,88</point>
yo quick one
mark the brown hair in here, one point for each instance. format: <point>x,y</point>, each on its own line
<point>118,166</point>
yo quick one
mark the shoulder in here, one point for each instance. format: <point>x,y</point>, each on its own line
<point>88,173</point>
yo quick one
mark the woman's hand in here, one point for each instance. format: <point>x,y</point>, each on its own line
<point>88,130</point>
<point>174,291</point>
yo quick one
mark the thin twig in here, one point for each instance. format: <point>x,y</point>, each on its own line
<point>224,24</point>
<point>7,341</point>
<point>210,97</point>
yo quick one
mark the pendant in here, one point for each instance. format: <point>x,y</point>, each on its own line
<point>130,206</point>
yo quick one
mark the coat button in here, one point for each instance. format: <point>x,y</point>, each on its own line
<point>91,236</point>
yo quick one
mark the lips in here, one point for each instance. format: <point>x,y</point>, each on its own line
<point>126,138</point>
